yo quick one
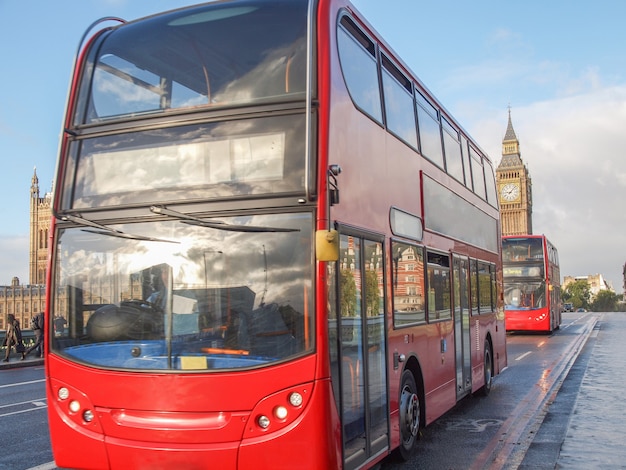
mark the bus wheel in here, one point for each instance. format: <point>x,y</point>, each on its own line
<point>409,415</point>
<point>488,372</point>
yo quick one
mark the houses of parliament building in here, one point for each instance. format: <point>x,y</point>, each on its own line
<point>24,301</point>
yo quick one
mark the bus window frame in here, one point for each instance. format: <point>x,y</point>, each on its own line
<point>442,255</point>
<point>350,28</point>
<point>420,249</point>
<point>390,70</point>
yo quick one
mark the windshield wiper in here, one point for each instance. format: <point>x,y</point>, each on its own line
<point>191,220</point>
<point>104,230</point>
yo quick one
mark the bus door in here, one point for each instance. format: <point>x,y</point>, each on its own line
<point>361,347</point>
<point>462,344</point>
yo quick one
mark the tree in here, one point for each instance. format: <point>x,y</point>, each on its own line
<point>348,293</point>
<point>578,293</point>
<point>372,295</point>
<point>605,301</point>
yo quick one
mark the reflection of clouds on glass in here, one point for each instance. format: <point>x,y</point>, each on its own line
<point>114,95</point>
<point>240,259</point>
<point>156,167</point>
<point>125,88</point>
<point>245,156</point>
<point>240,158</point>
<point>277,74</point>
<point>272,265</point>
<point>92,255</point>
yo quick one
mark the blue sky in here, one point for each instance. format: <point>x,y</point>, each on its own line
<point>560,66</point>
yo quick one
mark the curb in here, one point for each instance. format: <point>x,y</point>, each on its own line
<point>17,363</point>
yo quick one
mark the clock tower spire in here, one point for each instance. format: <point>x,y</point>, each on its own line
<point>514,186</point>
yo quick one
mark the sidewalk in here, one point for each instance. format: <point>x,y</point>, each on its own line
<point>595,435</point>
<point>585,425</point>
<point>15,360</point>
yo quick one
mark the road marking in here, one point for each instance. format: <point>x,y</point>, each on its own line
<point>575,322</point>
<point>472,425</point>
<point>44,466</point>
<point>22,411</point>
<point>519,358</point>
<point>36,402</point>
<point>22,383</point>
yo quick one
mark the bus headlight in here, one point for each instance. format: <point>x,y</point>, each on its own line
<point>74,406</point>
<point>295,399</point>
<point>63,393</point>
<point>280,412</point>
<point>263,421</point>
<point>88,416</point>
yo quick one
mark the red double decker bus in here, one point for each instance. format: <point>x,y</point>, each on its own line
<point>532,283</point>
<point>273,247</point>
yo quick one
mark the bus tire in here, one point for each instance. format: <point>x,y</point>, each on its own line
<point>410,416</point>
<point>487,371</point>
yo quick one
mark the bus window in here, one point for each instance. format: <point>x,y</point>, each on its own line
<point>408,284</point>
<point>357,54</point>
<point>430,134</point>
<point>492,193</point>
<point>484,288</point>
<point>466,162</point>
<point>474,285</point>
<point>235,157</point>
<point>265,59</point>
<point>454,161</point>
<point>478,178</point>
<point>438,287</point>
<point>399,110</point>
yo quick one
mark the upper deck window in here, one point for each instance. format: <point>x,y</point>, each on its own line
<point>492,192</point>
<point>478,176</point>
<point>211,55</point>
<point>399,108</point>
<point>454,161</point>
<point>522,250</point>
<point>430,133</point>
<point>357,54</point>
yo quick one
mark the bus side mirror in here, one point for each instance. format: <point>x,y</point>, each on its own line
<point>333,187</point>
<point>327,245</point>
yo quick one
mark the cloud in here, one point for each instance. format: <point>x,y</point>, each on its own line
<point>14,259</point>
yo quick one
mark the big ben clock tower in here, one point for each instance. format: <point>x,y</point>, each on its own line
<point>514,187</point>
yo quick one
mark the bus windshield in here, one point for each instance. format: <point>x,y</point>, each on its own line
<point>524,295</point>
<point>219,54</point>
<point>185,292</point>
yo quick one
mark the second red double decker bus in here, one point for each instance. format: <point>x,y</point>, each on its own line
<point>273,247</point>
<point>532,283</point>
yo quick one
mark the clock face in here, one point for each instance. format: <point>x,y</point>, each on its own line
<point>510,192</point>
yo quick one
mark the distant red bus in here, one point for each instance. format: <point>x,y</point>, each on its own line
<point>273,247</point>
<point>532,283</point>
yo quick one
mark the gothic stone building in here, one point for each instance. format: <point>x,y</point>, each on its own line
<point>24,301</point>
